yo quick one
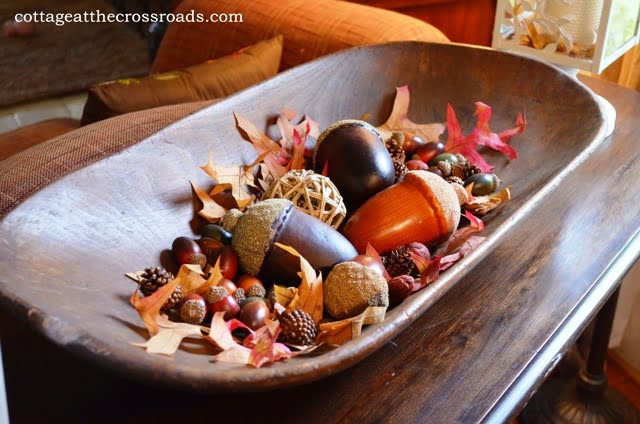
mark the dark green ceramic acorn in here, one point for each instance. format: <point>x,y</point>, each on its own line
<point>356,160</point>
<point>449,157</point>
<point>483,184</point>
<point>216,232</point>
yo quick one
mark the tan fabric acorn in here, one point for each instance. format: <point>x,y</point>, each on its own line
<point>422,208</point>
<point>351,287</point>
<point>277,221</point>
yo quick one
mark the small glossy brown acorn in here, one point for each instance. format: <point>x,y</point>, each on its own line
<point>228,284</point>
<point>411,143</point>
<point>183,249</point>
<point>228,263</point>
<point>228,305</point>
<point>246,281</point>
<point>430,150</point>
<point>416,165</point>
<point>253,314</point>
<point>422,208</point>
<point>356,160</point>
<point>211,248</point>
<point>370,262</point>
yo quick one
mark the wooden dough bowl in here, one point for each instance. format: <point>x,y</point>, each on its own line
<point>64,250</point>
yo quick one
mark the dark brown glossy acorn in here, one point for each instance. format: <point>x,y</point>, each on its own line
<point>411,143</point>
<point>183,248</point>
<point>416,164</point>
<point>253,314</point>
<point>228,263</point>
<point>216,232</point>
<point>370,262</point>
<point>211,248</point>
<point>430,151</point>
<point>246,281</point>
<point>274,221</point>
<point>356,160</point>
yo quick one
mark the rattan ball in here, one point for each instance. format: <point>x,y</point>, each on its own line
<point>312,193</point>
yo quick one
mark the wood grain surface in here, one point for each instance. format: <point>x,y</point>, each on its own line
<point>475,355</point>
<point>118,215</point>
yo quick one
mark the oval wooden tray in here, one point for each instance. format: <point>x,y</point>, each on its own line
<point>64,250</point>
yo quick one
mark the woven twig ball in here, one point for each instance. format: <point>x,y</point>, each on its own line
<point>312,193</point>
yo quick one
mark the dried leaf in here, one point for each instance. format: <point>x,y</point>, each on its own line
<point>340,332</point>
<point>220,334</point>
<point>262,143</point>
<point>461,235</point>
<point>265,349</point>
<point>481,135</point>
<point>429,270</point>
<point>169,336</point>
<point>135,276</point>
<point>310,288</point>
<point>467,247</point>
<point>211,210</point>
<point>238,178</point>
<point>149,307</point>
<point>209,168</point>
<point>284,295</point>
<point>399,121</point>
<point>190,278</point>
<point>482,205</point>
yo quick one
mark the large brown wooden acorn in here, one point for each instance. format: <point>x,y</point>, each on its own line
<point>271,221</point>
<point>422,208</point>
<point>356,160</point>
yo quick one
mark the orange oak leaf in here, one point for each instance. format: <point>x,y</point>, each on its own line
<point>262,143</point>
<point>310,288</point>
<point>429,270</point>
<point>399,120</point>
<point>211,210</point>
<point>482,205</point>
<point>149,307</point>
<point>169,336</point>
<point>340,332</point>
<point>284,295</point>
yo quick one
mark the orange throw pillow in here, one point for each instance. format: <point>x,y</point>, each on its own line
<point>210,80</point>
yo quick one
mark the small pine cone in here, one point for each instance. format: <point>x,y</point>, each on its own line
<point>394,146</point>
<point>239,295</point>
<point>453,179</point>
<point>153,278</point>
<point>216,294</point>
<point>175,298</point>
<point>256,291</point>
<point>400,170</point>
<point>398,262</point>
<point>471,170</point>
<point>445,168</point>
<point>298,328</point>
<point>199,259</point>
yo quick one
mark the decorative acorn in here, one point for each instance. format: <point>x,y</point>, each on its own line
<point>422,208</point>
<point>356,160</point>
<point>278,221</point>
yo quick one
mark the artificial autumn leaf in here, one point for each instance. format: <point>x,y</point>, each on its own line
<point>169,336</point>
<point>482,205</point>
<point>310,289</point>
<point>429,270</point>
<point>219,332</point>
<point>190,278</point>
<point>149,307</point>
<point>399,121</point>
<point>340,332</point>
<point>265,349</point>
<point>238,177</point>
<point>462,234</point>
<point>284,295</point>
<point>211,210</point>
<point>467,247</point>
<point>481,135</point>
<point>371,251</point>
<point>262,143</point>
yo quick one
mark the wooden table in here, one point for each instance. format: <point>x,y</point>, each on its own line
<point>477,354</point>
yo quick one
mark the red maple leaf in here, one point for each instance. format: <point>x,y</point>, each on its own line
<point>481,135</point>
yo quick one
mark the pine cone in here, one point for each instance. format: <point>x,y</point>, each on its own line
<point>175,298</point>
<point>400,170</point>
<point>453,179</point>
<point>459,170</point>
<point>153,278</point>
<point>394,146</point>
<point>298,327</point>
<point>398,262</point>
<point>471,170</point>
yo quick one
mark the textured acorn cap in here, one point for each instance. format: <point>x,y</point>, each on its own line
<point>351,287</point>
<point>230,219</point>
<point>253,233</point>
<point>444,192</point>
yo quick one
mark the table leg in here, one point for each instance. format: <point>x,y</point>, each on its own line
<point>4,408</point>
<point>585,399</point>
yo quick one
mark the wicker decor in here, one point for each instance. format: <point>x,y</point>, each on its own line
<point>312,193</point>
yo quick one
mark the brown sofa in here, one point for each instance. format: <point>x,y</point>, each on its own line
<point>310,30</point>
